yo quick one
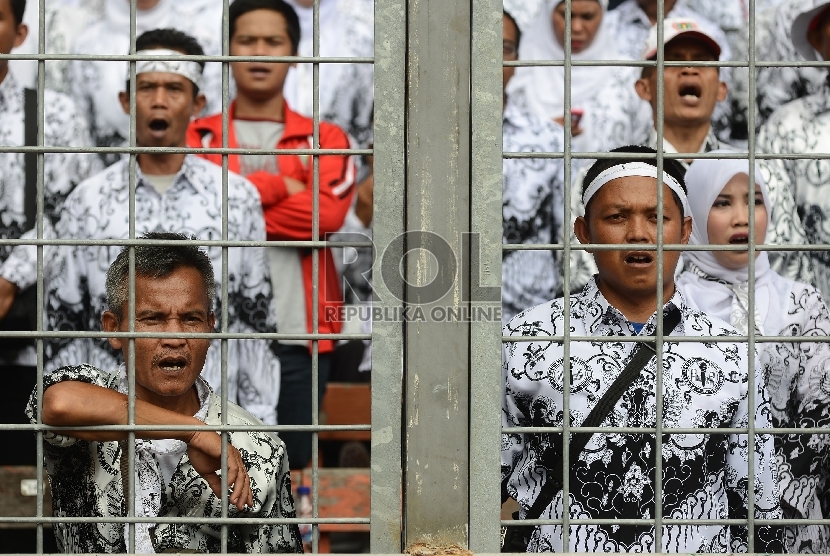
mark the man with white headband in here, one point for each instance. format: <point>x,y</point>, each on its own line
<point>613,384</point>
<point>174,193</point>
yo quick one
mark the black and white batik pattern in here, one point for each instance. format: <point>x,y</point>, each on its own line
<point>801,128</point>
<point>798,382</point>
<point>95,84</point>
<point>63,127</point>
<point>99,209</point>
<point>704,385</point>
<point>85,478</point>
<point>533,192</point>
<point>346,90</point>
<point>630,27</point>
<point>780,85</point>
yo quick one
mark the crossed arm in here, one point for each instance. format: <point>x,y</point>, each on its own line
<point>74,403</point>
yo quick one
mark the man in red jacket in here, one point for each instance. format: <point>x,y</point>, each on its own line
<point>259,118</point>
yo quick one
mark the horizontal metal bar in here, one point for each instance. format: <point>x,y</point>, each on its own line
<point>186,335</point>
<point>181,150</point>
<point>316,244</point>
<point>665,521</point>
<point>667,63</point>
<point>218,428</point>
<point>667,430</point>
<point>673,156</point>
<point>194,58</point>
<point>653,247</point>
<point>673,339</point>
<point>193,520</point>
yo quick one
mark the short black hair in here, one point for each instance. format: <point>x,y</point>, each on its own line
<point>238,8</point>
<point>18,9</point>
<point>171,39</point>
<point>516,25</point>
<point>670,166</point>
<point>157,261</point>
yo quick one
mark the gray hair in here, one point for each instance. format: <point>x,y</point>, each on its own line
<point>157,261</point>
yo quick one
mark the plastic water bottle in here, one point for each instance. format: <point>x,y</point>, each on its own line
<point>304,510</point>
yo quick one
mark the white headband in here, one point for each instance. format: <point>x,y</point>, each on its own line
<point>628,169</point>
<point>185,68</point>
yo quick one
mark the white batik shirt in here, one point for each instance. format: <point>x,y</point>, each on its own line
<point>532,210</point>
<point>779,85</point>
<point>346,90</point>
<point>704,385</point>
<point>798,382</point>
<point>802,128</point>
<point>630,26</point>
<point>95,84</point>
<point>63,127</point>
<point>98,209</point>
<point>86,481</point>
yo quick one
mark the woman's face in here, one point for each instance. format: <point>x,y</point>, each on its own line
<point>586,16</point>
<point>729,221</point>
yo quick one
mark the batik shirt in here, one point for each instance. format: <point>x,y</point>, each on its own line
<point>346,90</point>
<point>63,127</point>
<point>630,26</point>
<point>98,209</point>
<point>85,477</point>
<point>704,385</point>
<point>798,380</point>
<point>779,85</point>
<point>801,128</point>
<point>532,210</point>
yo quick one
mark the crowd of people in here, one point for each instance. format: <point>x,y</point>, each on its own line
<point>732,290</point>
<point>174,201</point>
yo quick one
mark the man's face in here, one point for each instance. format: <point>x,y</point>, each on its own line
<point>260,33</point>
<point>819,37</point>
<point>176,303</point>
<point>624,211</point>
<point>164,105</point>
<point>510,50</point>
<point>691,93</point>
<point>12,35</point>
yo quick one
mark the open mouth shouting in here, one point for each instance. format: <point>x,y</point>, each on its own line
<point>690,93</point>
<point>739,239</point>
<point>158,127</point>
<point>172,363</point>
<point>639,259</point>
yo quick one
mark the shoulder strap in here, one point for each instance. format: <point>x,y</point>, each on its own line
<point>641,356</point>
<point>30,158</point>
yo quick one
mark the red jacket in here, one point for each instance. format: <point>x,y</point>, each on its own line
<point>290,217</point>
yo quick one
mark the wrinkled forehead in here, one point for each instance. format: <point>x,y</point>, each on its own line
<point>636,193</point>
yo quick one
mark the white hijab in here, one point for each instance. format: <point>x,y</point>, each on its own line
<point>544,87</point>
<point>709,286</point>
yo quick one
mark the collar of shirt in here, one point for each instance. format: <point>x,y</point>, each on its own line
<point>710,143</point>
<point>187,175</point>
<point>613,322</point>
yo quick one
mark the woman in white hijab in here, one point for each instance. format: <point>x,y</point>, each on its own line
<point>797,373</point>
<point>601,96</point>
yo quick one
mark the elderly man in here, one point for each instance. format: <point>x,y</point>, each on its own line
<point>175,192</point>
<point>705,385</point>
<point>175,471</point>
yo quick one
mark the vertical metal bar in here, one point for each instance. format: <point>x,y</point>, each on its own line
<point>130,482</point>
<point>658,434</point>
<point>41,108</point>
<point>750,508</point>
<point>485,353</point>
<point>566,352</point>
<point>224,317</point>
<point>437,354</point>
<point>315,273</point>
<point>387,227</point>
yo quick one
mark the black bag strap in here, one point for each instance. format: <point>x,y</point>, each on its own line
<point>30,158</point>
<point>641,356</point>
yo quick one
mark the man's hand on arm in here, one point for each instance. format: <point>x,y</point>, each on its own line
<point>8,291</point>
<point>293,186</point>
<point>67,404</point>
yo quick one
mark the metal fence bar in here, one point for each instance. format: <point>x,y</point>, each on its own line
<point>41,197</point>
<point>388,222</point>
<point>485,276</point>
